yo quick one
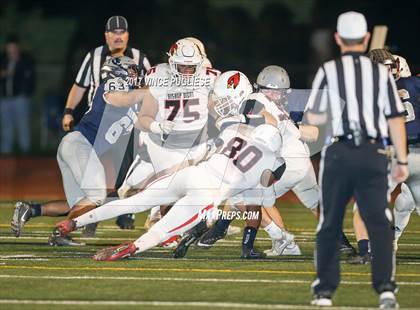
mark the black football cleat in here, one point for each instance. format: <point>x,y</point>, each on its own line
<point>189,238</point>
<point>90,230</point>
<point>126,221</point>
<point>21,215</point>
<point>56,239</point>
<point>252,254</point>
<point>360,260</point>
<point>210,238</point>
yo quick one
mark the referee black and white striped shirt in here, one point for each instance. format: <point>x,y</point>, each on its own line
<point>89,73</point>
<point>357,95</point>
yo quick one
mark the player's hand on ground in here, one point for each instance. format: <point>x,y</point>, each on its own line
<point>400,173</point>
<point>67,122</point>
<point>164,127</point>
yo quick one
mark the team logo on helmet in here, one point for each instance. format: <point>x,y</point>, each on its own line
<point>233,81</point>
<point>173,49</point>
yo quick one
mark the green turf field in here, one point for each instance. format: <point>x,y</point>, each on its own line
<point>34,275</point>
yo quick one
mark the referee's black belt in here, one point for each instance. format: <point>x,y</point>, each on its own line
<point>351,138</point>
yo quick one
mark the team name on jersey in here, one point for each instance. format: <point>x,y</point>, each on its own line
<point>180,95</point>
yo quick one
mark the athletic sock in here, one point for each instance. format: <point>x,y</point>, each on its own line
<point>35,209</point>
<point>363,246</point>
<point>222,225</point>
<point>249,237</point>
<point>274,231</point>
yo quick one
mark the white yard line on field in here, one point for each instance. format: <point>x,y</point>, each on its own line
<point>193,304</point>
<point>227,280</point>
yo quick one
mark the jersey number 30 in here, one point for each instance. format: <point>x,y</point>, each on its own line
<point>244,158</point>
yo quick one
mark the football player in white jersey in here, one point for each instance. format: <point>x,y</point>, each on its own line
<point>174,112</point>
<point>241,159</point>
<point>273,84</point>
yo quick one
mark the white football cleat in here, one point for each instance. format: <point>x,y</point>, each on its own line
<point>292,249</point>
<point>387,300</point>
<point>284,246</point>
<point>321,302</point>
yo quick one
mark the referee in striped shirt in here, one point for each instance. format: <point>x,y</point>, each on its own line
<point>359,103</point>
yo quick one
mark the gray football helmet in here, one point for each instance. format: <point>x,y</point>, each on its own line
<point>121,67</point>
<point>274,82</point>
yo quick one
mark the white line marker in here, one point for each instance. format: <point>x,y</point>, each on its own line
<point>193,304</point>
<point>227,280</point>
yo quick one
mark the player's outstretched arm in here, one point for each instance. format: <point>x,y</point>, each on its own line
<point>125,99</point>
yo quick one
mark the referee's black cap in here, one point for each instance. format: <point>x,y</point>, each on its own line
<point>116,22</point>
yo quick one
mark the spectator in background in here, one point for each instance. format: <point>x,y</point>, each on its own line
<point>17,83</point>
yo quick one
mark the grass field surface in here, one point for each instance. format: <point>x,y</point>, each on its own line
<point>34,275</point>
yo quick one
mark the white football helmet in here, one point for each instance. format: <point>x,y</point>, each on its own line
<point>185,58</point>
<point>230,89</point>
<point>200,45</point>
<point>403,68</point>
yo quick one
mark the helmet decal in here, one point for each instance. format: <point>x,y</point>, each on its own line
<point>233,81</point>
<point>173,48</point>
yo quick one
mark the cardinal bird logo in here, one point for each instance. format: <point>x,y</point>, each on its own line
<point>233,81</point>
<point>173,49</point>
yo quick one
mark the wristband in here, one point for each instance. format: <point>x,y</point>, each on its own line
<point>402,163</point>
<point>68,111</point>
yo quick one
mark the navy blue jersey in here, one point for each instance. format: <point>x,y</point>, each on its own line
<point>409,91</point>
<point>104,125</point>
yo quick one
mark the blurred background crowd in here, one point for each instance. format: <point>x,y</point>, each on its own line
<point>43,44</point>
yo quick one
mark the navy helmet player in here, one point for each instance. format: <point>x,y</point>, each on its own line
<point>104,124</point>
<point>409,198</point>
<point>101,129</point>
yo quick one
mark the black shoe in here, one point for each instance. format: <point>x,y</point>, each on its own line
<point>126,221</point>
<point>251,254</point>
<point>57,240</point>
<point>189,238</point>
<point>360,260</point>
<point>89,230</point>
<point>21,215</point>
<point>210,238</point>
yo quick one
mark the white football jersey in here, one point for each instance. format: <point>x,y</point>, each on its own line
<point>181,100</point>
<point>242,157</point>
<point>293,146</point>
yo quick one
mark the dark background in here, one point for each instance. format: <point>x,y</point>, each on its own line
<point>238,34</point>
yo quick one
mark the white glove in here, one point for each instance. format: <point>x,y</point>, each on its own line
<point>164,127</point>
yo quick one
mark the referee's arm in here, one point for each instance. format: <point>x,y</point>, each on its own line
<point>395,112</point>
<point>316,108</point>
<point>76,92</point>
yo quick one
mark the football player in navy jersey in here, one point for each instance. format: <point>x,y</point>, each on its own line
<point>409,199</point>
<point>103,132</point>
